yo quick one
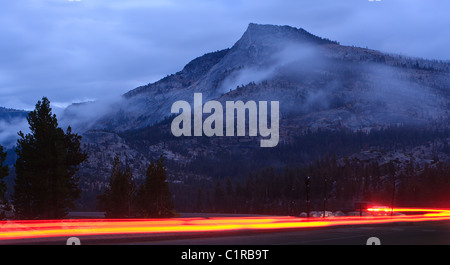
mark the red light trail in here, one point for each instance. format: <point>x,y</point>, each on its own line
<point>10,230</point>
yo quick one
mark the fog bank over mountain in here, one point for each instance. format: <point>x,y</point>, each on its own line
<point>330,96</point>
<point>310,75</point>
<point>322,83</point>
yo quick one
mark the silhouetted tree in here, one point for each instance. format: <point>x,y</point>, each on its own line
<point>117,200</point>
<point>154,196</point>
<point>48,158</point>
<point>4,172</point>
<point>199,203</point>
<point>218,197</point>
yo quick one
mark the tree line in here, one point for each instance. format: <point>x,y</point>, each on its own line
<point>333,185</point>
<point>48,159</point>
<point>46,185</point>
<point>124,199</point>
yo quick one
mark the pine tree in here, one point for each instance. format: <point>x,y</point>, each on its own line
<point>155,198</point>
<point>239,198</point>
<point>4,172</point>
<point>130,190</point>
<point>229,198</point>
<point>199,203</point>
<point>117,199</point>
<point>48,159</point>
<point>218,197</point>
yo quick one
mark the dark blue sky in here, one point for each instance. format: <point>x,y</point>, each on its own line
<point>72,51</point>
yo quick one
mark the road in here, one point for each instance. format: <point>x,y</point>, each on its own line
<point>282,246</point>
<point>414,233</point>
<point>416,227</point>
<point>423,233</point>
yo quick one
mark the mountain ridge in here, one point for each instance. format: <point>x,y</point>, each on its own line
<point>319,83</point>
<point>327,92</point>
<point>224,70</point>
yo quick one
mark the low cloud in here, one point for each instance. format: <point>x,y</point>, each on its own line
<point>9,130</point>
<point>83,116</point>
<point>85,49</point>
<point>286,57</point>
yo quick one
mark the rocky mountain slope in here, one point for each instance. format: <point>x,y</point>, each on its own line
<point>326,92</point>
<point>317,80</point>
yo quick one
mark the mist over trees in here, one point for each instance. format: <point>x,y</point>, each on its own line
<point>257,182</point>
<point>46,185</point>
<point>48,159</point>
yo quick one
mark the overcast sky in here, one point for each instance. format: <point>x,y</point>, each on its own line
<point>72,51</point>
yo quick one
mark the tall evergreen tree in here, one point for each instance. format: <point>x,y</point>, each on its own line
<point>229,196</point>
<point>4,171</point>
<point>218,197</point>
<point>48,159</point>
<point>117,200</point>
<point>155,198</point>
<point>199,202</point>
<point>129,190</point>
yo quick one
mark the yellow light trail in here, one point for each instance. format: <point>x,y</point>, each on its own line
<point>10,230</point>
